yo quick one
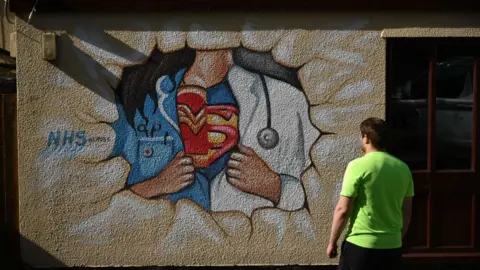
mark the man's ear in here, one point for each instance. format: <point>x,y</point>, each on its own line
<point>367,140</point>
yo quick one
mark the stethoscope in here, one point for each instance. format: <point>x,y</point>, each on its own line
<point>267,137</point>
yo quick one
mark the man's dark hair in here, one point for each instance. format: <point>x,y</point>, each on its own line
<point>377,131</point>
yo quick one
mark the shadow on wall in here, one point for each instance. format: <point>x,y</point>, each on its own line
<point>69,54</point>
<point>11,256</point>
<point>96,77</point>
<point>94,34</point>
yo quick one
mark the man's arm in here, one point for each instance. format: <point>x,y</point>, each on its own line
<point>407,204</point>
<point>340,218</point>
<point>407,214</point>
<point>349,192</point>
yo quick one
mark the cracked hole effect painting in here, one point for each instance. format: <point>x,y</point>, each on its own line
<point>192,148</point>
<point>198,125</point>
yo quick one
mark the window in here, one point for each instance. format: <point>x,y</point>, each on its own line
<point>433,79</point>
<point>432,108</point>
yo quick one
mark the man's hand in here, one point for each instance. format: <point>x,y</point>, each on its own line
<point>340,219</point>
<point>332,250</point>
<point>177,175</point>
<point>249,173</point>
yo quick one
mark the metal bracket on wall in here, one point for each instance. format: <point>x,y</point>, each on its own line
<point>49,46</point>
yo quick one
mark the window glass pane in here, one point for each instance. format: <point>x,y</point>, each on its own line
<point>454,126</point>
<point>409,68</point>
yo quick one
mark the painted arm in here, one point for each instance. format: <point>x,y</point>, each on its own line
<point>340,218</point>
<point>177,175</point>
<point>292,193</point>
<point>249,173</point>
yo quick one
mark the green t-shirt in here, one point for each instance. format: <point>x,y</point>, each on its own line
<point>379,183</point>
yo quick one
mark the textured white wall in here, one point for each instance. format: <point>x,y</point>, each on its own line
<point>71,203</point>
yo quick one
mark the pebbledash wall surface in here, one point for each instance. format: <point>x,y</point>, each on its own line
<point>266,105</point>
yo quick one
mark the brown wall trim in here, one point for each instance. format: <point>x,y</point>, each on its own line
<point>245,5</point>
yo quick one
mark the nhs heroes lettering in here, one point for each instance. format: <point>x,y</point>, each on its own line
<point>64,138</point>
<point>71,138</point>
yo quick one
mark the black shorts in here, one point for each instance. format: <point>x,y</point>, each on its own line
<point>354,257</point>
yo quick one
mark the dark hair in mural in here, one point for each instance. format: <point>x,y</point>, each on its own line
<point>138,81</point>
<point>376,130</point>
<point>264,63</point>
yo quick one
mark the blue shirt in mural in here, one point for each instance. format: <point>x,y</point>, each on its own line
<point>154,140</point>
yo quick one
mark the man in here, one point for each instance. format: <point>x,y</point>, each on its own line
<point>376,196</point>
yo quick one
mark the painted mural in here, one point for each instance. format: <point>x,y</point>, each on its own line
<point>190,128</point>
<point>193,147</point>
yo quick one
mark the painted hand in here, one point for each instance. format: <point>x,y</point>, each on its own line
<point>177,175</point>
<point>249,173</point>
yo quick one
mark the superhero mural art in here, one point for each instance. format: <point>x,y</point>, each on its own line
<point>189,130</point>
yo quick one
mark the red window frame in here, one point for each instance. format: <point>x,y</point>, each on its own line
<point>460,187</point>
